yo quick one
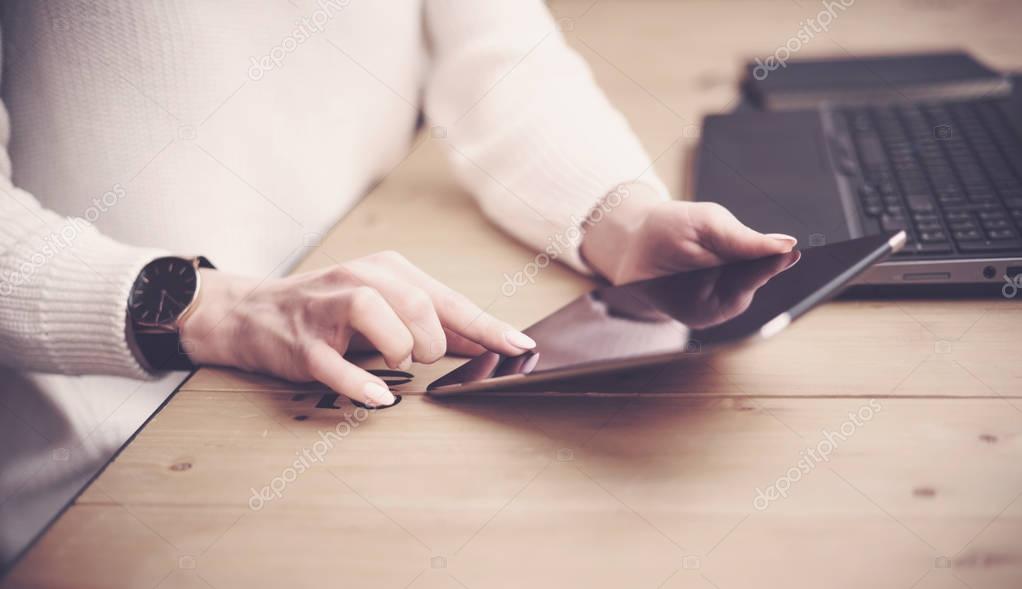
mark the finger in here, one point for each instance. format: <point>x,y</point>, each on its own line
<point>460,345</point>
<point>730,239</point>
<point>371,315</point>
<point>357,344</point>
<point>464,318</point>
<point>460,315</point>
<point>327,366</point>
<point>737,291</point>
<point>757,273</point>
<point>413,306</point>
<point>730,308</point>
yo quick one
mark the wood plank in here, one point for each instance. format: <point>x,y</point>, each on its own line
<point>653,486</point>
<point>511,491</point>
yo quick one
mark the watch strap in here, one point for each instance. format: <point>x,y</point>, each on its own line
<point>204,262</point>
<point>163,351</point>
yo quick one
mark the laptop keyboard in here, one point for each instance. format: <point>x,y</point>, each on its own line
<point>949,174</point>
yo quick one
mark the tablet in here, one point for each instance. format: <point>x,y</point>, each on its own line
<point>662,320</point>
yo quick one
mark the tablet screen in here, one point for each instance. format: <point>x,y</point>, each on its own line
<point>689,312</point>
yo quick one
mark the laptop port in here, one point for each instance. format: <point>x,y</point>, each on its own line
<point>926,276</point>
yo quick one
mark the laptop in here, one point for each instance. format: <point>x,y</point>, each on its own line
<point>948,172</point>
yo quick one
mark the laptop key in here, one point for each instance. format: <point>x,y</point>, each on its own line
<point>943,247</point>
<point>932,236</point>
<point>975,247</point>
<point>990,224</point>
<point>998,234</point>
<point>953,201</point>
<point>920,203</point>
<point>982,197</point>
<point>890,223</point>
<point>986,206</point>
<point>968,235</point>
<point>963,225</point>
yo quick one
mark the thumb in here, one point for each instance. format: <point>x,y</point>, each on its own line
<point>730,239</point>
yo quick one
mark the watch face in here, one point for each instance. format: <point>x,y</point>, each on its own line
<point>164,288</point>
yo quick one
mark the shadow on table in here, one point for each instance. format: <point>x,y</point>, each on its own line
<point>690,376</point>
<point>618,419</point>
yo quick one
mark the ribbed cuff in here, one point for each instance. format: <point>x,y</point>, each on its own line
<point>604,206</point>
<point>63,298</point>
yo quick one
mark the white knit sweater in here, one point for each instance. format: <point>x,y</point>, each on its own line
<point>238,131</point>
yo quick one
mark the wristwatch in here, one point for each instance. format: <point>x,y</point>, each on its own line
<point>164,294</point>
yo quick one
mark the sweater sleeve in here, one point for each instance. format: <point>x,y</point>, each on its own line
<point>63,286</point>
<point>530,134</point>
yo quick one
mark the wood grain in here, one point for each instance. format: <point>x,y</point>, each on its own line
<point>653,486</point>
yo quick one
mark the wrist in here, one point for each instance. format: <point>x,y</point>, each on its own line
<point>612,228</point>
<point>212,316</point>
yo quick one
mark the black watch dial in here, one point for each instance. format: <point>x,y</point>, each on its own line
<point>162,291</point>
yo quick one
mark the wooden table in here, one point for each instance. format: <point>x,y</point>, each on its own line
<point>656,488</point>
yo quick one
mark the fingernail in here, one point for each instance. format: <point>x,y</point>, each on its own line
<point>377,394</point>
<point>794,260</point>
<point>519,339</point>
<point>406,363</point>
<point>787,239</point>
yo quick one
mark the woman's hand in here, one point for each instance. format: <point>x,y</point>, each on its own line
<point>644,237</point>
<point>299,328</point>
